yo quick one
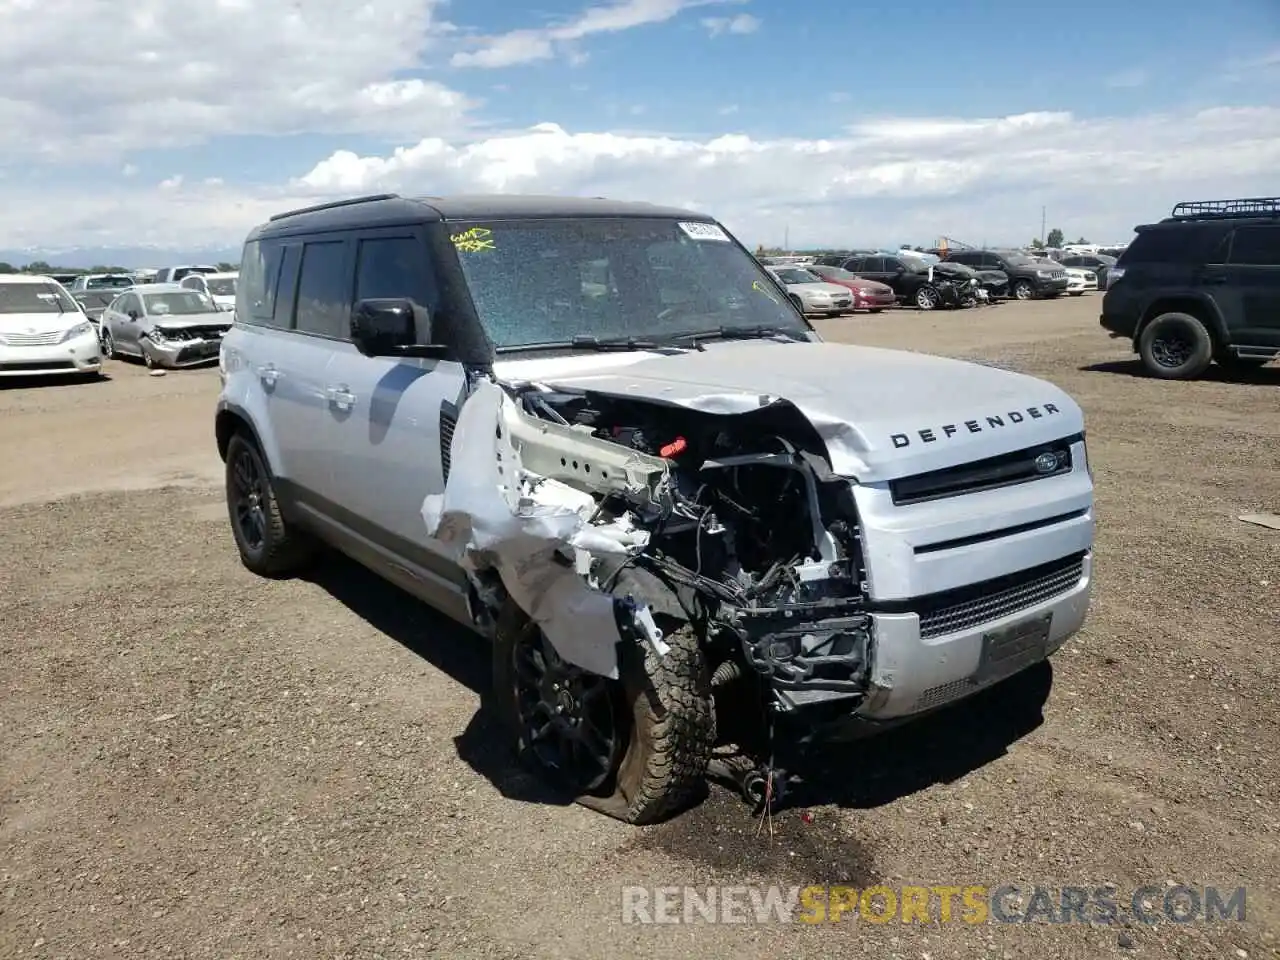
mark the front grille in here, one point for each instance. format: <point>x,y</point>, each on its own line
<point>992,473</point>
<point>980,603</point>
<point>37,366</point>
<point>34,339</point>
<point>181,334</point>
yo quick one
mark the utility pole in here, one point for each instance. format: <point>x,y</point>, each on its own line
<point>1042,234</point>
<point>786,237</point>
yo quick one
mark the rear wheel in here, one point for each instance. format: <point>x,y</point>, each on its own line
<point>268,545</point>
<point>1175,346</point>
<point>635,748</point>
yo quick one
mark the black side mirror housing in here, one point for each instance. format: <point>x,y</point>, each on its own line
<point>133,314</point>
<point>392,327</point>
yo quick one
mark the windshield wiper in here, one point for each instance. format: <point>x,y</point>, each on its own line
<point>587,342</point>
<point>735,333</point>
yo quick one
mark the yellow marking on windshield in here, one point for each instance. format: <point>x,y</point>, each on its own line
<point>759,287</point>
<point>474,240</point>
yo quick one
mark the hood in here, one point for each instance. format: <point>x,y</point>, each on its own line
<point>193,320</point>
<point>871,286</point>
<point>883,414</point>
<point>819,287</point>
<point>33,323</point>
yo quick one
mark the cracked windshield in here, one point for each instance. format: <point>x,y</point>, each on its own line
<point>545,282</point>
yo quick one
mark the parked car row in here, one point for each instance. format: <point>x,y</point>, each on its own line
<point>47,331</point>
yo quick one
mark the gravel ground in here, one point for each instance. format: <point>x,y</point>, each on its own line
<point>195,762</point>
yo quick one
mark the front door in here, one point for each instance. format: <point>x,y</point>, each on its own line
<point>390,419</point>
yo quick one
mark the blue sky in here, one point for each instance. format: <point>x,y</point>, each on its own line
<point>851,119</point>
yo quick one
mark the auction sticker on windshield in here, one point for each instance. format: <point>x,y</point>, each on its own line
<point>704,231</point>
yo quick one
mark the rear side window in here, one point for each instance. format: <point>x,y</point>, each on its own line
<point>1256,246</point>
<point>1170,245</point>
<point>259,277</point>
<point>324,290</point>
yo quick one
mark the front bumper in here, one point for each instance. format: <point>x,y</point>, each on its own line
<point>874,301</point>
<point>917,670</point>
<point>1047,286</point>
<point>80,355</point>
<point>834,305</point>
<point>183,353</point>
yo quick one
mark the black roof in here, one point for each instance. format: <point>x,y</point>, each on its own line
<point>387,209</point>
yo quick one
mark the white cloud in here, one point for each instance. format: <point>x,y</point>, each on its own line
<point>884,180</point>
<point>742,23</point>
<point>529,45</point>
<point>97,79</point>
<point>728,110</point>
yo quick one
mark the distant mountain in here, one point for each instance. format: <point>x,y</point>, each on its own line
<point>131,258</point>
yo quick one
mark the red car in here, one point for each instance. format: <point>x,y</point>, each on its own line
<point>867,294</point>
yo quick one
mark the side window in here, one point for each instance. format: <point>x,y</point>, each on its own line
<point>395,267</point>
<point>130,301</point>
<point>324,290</point>
<point>259,276</point>
<point>1256,246</point>
<point>192,282</point>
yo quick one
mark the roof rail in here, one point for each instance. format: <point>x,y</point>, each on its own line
<point>337,203</point>
<point>1209,209</point>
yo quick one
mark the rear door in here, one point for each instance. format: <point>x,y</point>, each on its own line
<point>389,420</point>
<point>1254,273</point>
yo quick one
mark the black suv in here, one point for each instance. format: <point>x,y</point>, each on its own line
<point>1028,279</point>
<point>1200,286</point>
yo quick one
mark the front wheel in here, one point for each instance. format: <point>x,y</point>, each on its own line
<point>1175,346</point>
<point>108,345</point>
<point>635,748</point>
<point>1022,290</point>
<point>927,297</point>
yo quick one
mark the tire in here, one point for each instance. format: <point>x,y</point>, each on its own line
<point>108,345</point>
<point>927,298</point>
<point>799,304</point>
<point>1023,290</point>
<point>662,710</point>
<point>147,360</point>
<point>1175,346</point>
<point>272,548</point>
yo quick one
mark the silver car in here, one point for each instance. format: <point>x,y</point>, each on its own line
<point>164,325</point>
<point>810,293</point>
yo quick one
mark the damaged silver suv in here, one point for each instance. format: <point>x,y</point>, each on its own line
<point>600,434</point>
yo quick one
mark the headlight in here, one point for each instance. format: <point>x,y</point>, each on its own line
<point>79,330</point>
<point>1044,273</point>
<point>156,334</point>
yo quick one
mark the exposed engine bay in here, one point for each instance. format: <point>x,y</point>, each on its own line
<point>734,523</point>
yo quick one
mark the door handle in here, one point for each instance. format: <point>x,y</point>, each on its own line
<point>341,397</point>
<point>268,374</point>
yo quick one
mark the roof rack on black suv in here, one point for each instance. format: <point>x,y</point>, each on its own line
<point>1205,209</point>
<point>1199,287</point>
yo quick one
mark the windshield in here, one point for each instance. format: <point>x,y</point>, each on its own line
<point>35,298</point>
<point>544,282</point>
<point>178,304</point>
<point>795,275</point>
<point>107,283</point>
<point>1018,260</point>
<point>222,286</point>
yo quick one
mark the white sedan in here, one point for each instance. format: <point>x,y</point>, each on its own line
<point>810,293</point>
<point>1080,280</point>
<point>43,331</point>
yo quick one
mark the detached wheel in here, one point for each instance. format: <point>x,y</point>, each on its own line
<point>635,748</point>
<point>1022,290</point>
<point>1176,346</point>
<point>267,544</point>
<point>927,297</point>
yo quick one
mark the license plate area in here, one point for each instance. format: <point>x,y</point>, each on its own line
<point>1009,650</point>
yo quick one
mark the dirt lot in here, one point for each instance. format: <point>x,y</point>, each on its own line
<point>194,762</point>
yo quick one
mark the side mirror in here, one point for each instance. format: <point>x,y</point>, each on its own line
<point>899,269</point>
<point>133,314</point>
<point>390,328</point>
